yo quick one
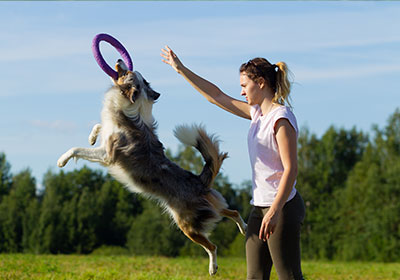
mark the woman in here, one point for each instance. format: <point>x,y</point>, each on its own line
<point>273,233</point>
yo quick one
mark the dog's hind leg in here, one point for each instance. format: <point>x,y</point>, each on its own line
<point>235,216</point>
<point>93,135</point>
<point>90,154</point>
<point>210,248</point>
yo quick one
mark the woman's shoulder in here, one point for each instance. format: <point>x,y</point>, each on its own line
<point>285,112</point>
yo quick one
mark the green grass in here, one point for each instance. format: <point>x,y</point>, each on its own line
<point>24,266</point>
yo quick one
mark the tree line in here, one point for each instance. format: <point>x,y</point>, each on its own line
<point>349,180</point>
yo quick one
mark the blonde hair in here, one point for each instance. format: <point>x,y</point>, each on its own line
<point>277,76</point>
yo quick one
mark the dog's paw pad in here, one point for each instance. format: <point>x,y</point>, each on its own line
<point>61,163</point>
<point>213,270</point>
<point>92,140</point>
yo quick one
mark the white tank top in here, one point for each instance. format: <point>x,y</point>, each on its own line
<point>266,164</point>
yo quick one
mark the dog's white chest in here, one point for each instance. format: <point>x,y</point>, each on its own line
<point>122,176</point>
<point>108,127</point>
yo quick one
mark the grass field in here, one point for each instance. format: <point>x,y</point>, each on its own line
<point>22,266</point>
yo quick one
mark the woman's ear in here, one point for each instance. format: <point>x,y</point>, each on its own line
<point>261,83</point>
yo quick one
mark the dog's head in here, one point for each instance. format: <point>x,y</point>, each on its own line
<point>132,85</point>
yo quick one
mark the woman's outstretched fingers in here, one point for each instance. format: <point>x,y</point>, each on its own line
<point>165,55</point>
<point>169,57</point>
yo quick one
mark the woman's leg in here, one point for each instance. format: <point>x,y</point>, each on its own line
<point>284,243</point>
<point>258,258</point>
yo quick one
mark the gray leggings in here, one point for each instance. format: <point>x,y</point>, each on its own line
<point>282,248</point>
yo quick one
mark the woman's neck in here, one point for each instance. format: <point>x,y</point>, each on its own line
<point>266,106</point>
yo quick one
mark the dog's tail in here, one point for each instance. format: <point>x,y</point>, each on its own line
<point>208,146</point>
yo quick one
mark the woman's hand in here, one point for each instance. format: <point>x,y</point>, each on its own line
<point>171,59</point>
<point>268,224</point>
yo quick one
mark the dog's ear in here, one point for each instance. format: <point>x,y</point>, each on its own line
<point>154,95</point>
<point>151,93</point>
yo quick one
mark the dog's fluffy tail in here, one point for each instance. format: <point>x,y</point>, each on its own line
<point>208,146</point>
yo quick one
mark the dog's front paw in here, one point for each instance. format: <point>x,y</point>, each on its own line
<point>62,161</point>
<point>92,139</point>
<point>93,135</point>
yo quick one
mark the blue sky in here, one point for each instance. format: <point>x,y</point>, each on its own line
<point>345,57</point>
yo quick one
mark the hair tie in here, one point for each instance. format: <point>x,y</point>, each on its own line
<point>275,66</point>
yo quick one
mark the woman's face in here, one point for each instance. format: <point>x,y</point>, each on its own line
<point>250,90</point>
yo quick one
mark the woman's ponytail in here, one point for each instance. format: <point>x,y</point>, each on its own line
<point>283,84</point>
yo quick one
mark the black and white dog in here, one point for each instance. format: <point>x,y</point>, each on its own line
<point>131,151</point>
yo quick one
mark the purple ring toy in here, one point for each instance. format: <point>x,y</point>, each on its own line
<point>99,58</point>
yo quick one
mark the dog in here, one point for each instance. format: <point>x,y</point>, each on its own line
<point>133,154</point>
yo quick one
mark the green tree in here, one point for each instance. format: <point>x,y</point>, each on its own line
<point>370,208</point>
<point>68,217</point>
<point>128,206</point>
<point>13,212</point>
<point>86,221</point>
<point>5,176</point>
<point>117,208</point>
<point>29,227</point>
<point>56,229</point>
<point>324,165</point>
<point>83,210</point>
